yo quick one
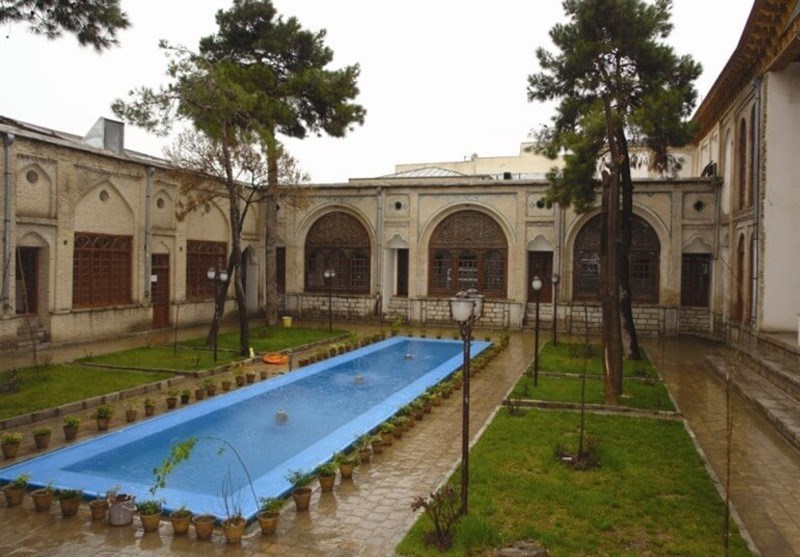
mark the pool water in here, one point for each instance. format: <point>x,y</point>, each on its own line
<point>240,439</point>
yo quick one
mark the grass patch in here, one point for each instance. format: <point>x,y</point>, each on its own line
<point>636,394</point>
<point>55,385</point>
<point>271,339</point>
<point>651,496</point>
<point>568,358</point>
<point>164,357</point>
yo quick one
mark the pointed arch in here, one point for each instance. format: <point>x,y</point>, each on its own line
<point>35,192</point>
<point>340,242</point>
<point>104,199</point>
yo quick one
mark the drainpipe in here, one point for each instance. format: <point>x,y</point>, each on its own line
<point>756,196</point>
<point>148,233</point>
<point>8,140</point>
<point>379,250</point>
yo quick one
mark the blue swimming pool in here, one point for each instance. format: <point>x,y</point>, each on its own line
<point>328,405</point>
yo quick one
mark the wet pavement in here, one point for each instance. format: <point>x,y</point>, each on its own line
<point>370,514</point>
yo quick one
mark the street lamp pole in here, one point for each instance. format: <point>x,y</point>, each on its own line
<point>536,284</point>
<point>465,308</point>
<point>218,279</point>
<point>329,275</point>
<point>555,279</point>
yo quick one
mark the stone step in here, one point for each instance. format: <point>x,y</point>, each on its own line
<point>779,371</point>
<point>780,409</point>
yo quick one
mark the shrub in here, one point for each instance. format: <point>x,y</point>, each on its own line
<point>442,508</point>
<point>41,430</point>
<point>71,420</point>
<point>103,411</point>
<point>11,438</point>
<point>270,505</point>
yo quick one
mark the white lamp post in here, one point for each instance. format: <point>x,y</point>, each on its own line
<point>466,308</point>
<point>219,279</point>
<point>536,284</point>
<point>329,275</point>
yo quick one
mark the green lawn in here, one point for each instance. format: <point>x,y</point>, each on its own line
<point>54,385</point>
<point>652,495</point>
<point>271,339</point>
<point>636,394</point>
<point>568,358</point>
<point>164,357</point>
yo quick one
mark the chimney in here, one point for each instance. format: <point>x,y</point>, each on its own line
<point>106,134</point>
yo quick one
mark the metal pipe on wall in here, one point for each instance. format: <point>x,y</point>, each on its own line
<point>148,233</point>
<point>8,141</point>
<point>756,127</point>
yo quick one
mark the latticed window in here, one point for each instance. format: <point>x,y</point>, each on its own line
<point>643,261</point>
<point>468,250</point>
<point>200,257</point>
<point>338,241</point>
<point>101,270</point>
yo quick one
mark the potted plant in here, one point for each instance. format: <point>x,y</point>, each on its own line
<point>199,392</point>
<point>263,374</point>
<point>400,424</point>
<point>149,406</point>
<point>41,436</point>
<point>326,474</point>
<point>43,498</point>
<point>186,395</point>
<point>69,500</point>
<point>226,384</point>
<point>15,490</point>
<point>418,409</point>
<point>71,423</point>
<point>251,376</point>
<point>238,376</point>
<point>103,414</point>
<point>10,442</point>
<point>150,514</point>
<point>377,443</point>
<point>387,432</point>
<point>364,446</point>
<point>180,519</point>
<point>172,399</point>
<point>269,511</point>
<point>210,386</point>
<point>99,508</point>
<point>301,493</point>
<point>347,463</point>
<point>131,412</point>
<point>203,525</point>
<point>120,507</point>
<point>458,379</point>
<point>427,402</point>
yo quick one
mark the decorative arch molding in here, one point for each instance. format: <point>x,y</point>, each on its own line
<point>397,242</point>
<point>311,218</point>
<point>430,226</point>
<point>338,241</point>
<point>646,259</point>
<point>540,243</point>
<point>161,248</point>
<point>468,249</point>
<point>696,245</point>
<point>33,240</point>
<point>208,222</point>
<point>36,196</point>
<point>163,210</point>
<point>104,199</point>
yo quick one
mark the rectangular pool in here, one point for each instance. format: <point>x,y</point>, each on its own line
<point>328,405</point>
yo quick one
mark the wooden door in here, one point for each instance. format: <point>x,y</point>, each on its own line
<point>540,264</point>
<point>160,290</point>
<point>27,281</point>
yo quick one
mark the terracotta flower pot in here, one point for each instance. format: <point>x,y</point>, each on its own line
<point>234,529</point>
<point>172,402</point>
<point>181,520</point>
<point>131,414</point>
<point>102,423</point>
<point>10,450</point>
<point>326,483</point>
<point>203,525</point>
<point>149,410</point>
<point>239,380</point>
<point>69,507</point>
<point>302,498</point>
<point>70,432</point>
<point>42,499</point>
<point>251,377</point>
<point>365,454</point>
<point>346,470</point>
<point>99,509</point>
<point>226,385</point>
<point>150,522</point>
<point>268,522</point>
<point>42,441</point>
<point>263,374</point>
<point>14,495</point>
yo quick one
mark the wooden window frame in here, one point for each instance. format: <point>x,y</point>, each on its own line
<point>201,255</point>
<point>101,270</point>
<point>340,242</point>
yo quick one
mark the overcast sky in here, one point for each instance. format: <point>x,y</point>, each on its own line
<point>440,79</point>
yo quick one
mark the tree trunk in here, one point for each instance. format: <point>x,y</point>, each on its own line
<point>612,337</point>
<point>630,339</point>
<point>271,219</point>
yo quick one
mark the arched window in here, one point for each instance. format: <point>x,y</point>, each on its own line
<point>643,261</point>
<point>468,250</point>
<point>340,242</point>
<point>741,162</point>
